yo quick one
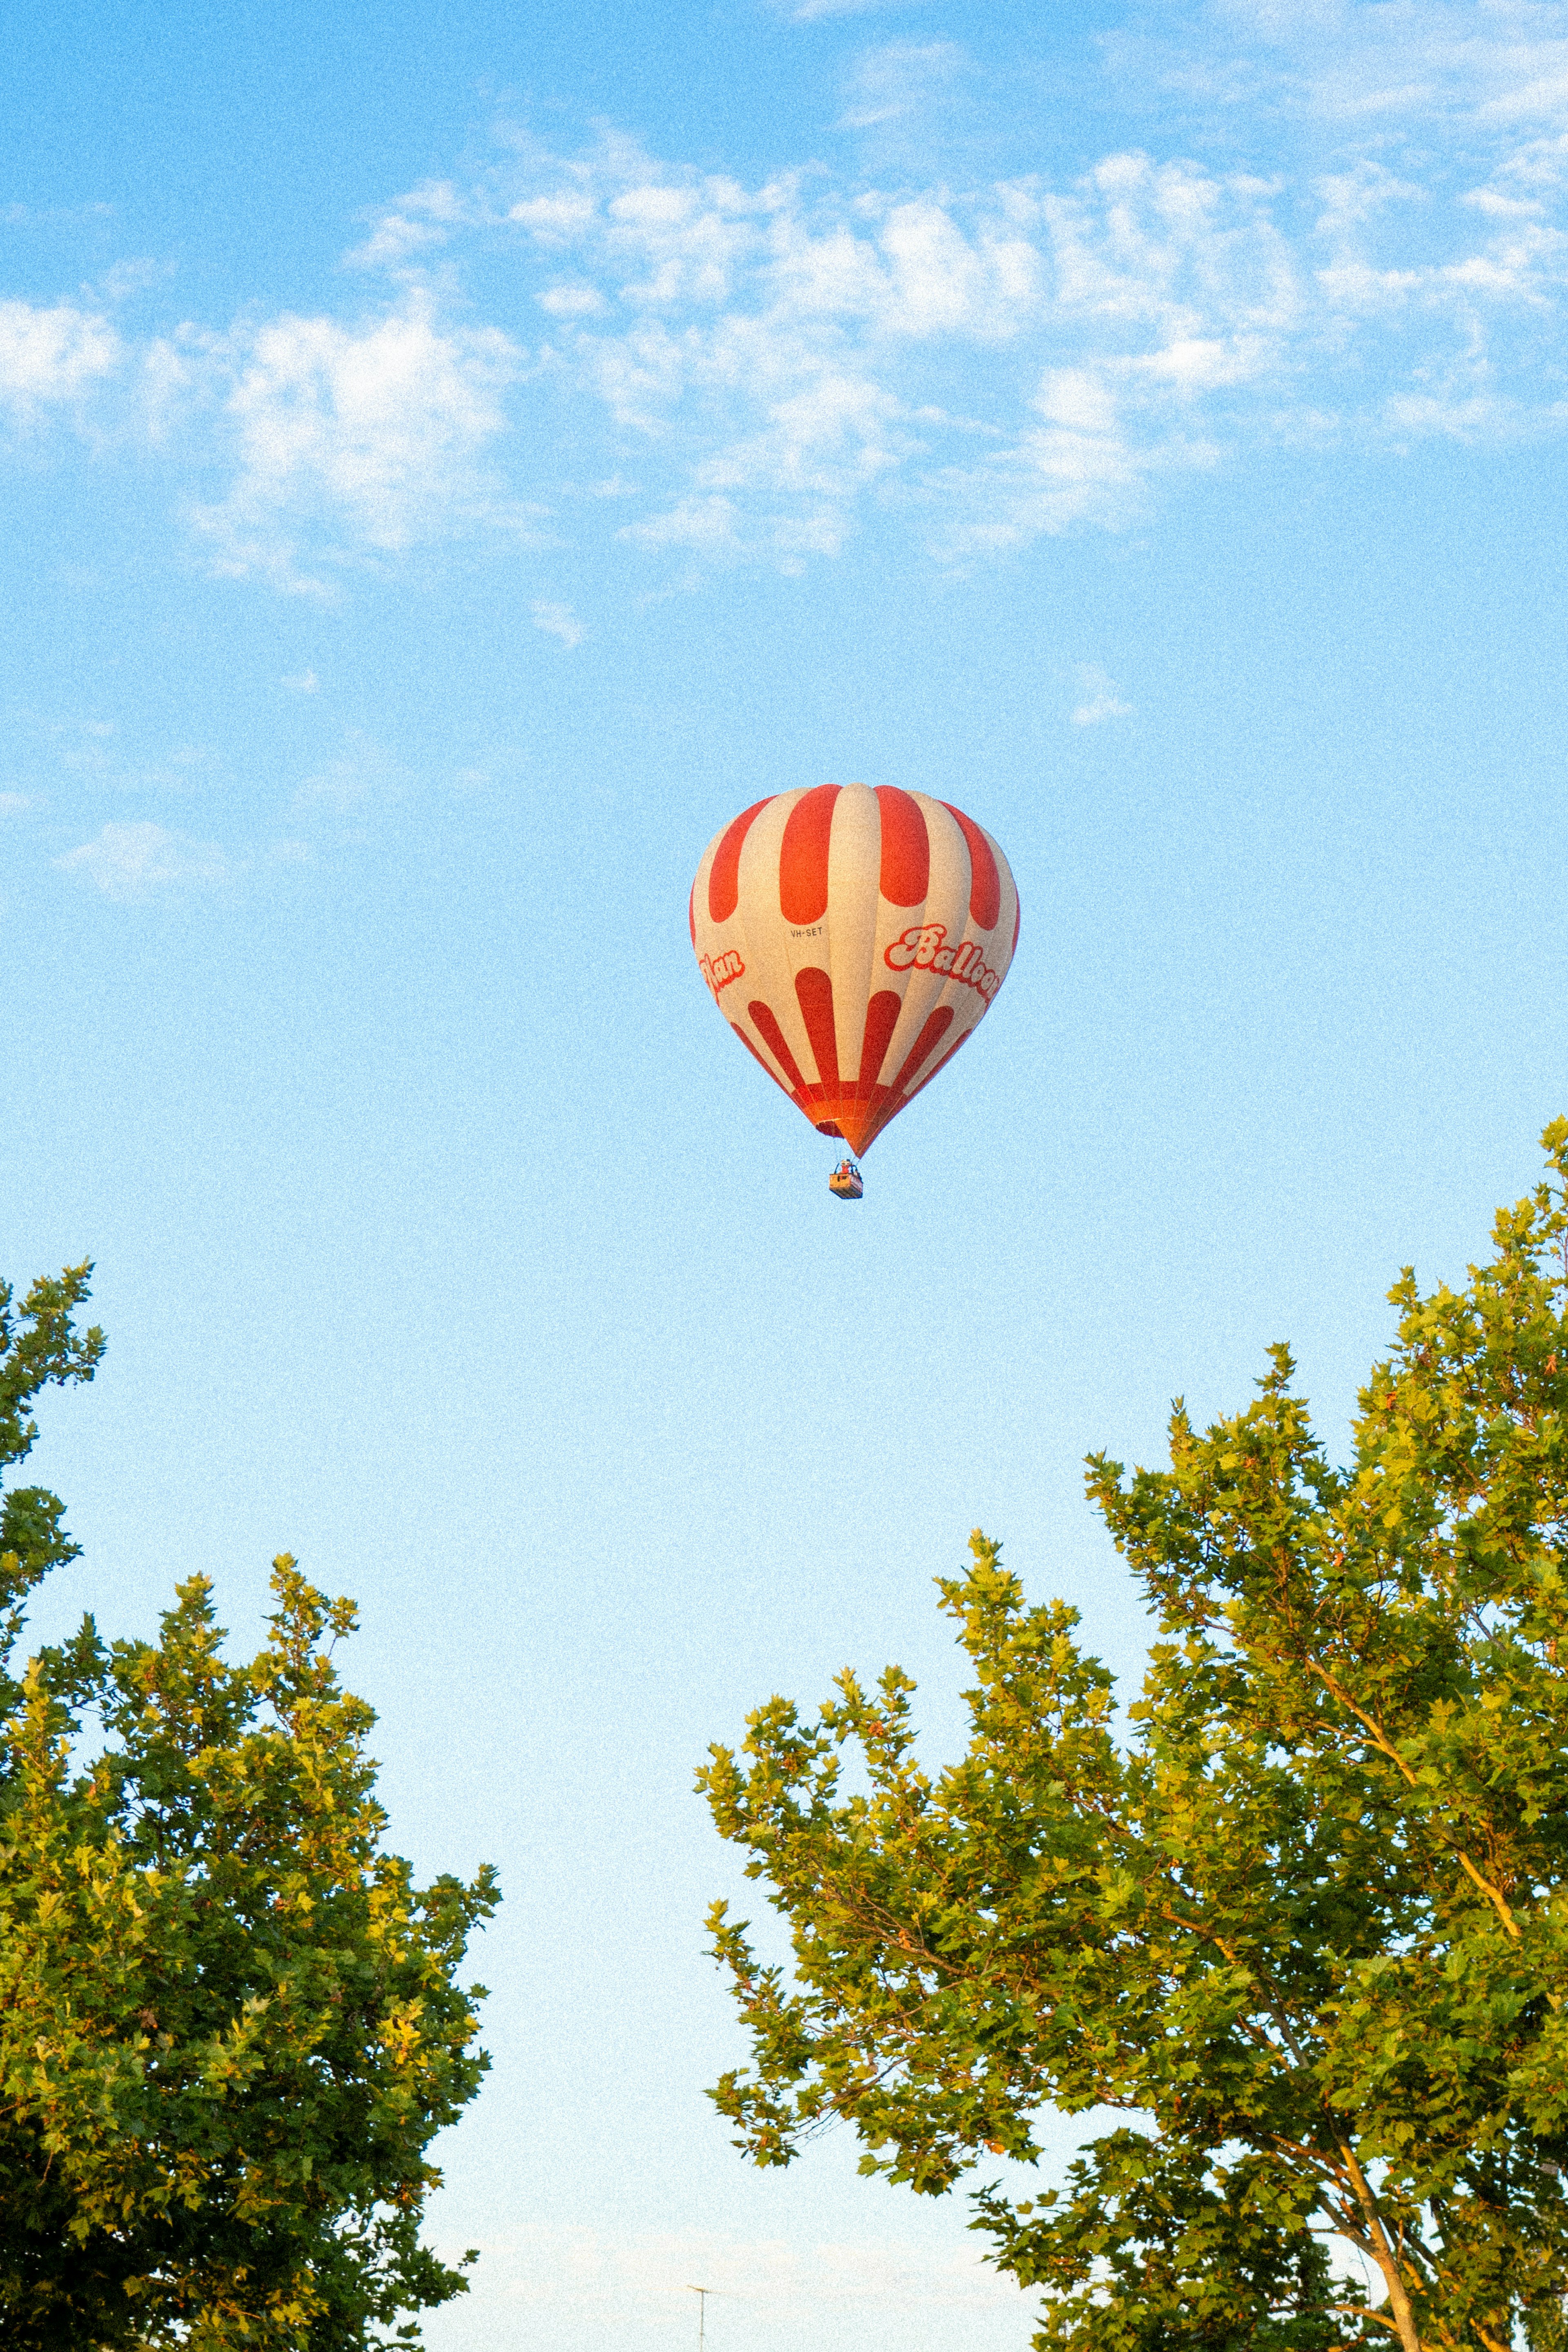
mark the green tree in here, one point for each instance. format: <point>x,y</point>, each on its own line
<point>1300,1914</point>
<point>230,2024</point>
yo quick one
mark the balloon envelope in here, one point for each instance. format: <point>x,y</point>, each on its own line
<point>853,940</point>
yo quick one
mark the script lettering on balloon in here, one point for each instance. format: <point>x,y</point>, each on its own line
<point>924,947</point>
<point>720,970</point>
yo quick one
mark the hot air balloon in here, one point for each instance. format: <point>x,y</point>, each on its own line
<point>853,940</point>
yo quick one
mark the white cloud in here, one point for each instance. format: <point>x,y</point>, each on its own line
<point>554,217</point>
<point>340,788</point>
<point>52,356</point>
<point>1358,67</point>
<point>92,764</point>
<point>306,682</point>
<point>361,775</point>
<point>132,862</point>
<point>901,82</point>
<point>808,12</point>
<point>13,803</point>
<point>976,362</point>
<point>1102,698</point>
<point>558,621</point>
<point>691,242</point>
<point>422,218</point>
<point>126,279</point>
<point>572,301</point>
<point>775,344</point>
<point>372,431</point>
<point>779,346</point>
<point>1423,415</point>
<point>705,524</point>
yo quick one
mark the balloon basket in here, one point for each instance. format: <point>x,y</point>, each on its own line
<point>845,1183</point>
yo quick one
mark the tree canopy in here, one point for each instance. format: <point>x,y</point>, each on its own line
<point>1300,1912</point>
<point>230,2023</point>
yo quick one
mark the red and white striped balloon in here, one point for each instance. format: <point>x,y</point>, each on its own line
<point>853,940</point>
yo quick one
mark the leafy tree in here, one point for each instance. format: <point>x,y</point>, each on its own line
<point>230,2024</point>
<point>1301,1914</point>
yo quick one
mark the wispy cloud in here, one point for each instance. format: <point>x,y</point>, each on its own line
<point>810,12</point>
<point>51,356</point>
<point>132,864</point>
<point>73,760</point>
<point>1102,698</point>
<point>558,621</point>
<point>901,80</point>
<point>370,434</point>
<point>779,346</point>
<point>708,525</point>
<point>999,361</point>
<point>1360,65</point>
<point>764,367</point>
<point>360,775</point>
<point>129,862</point>
<point>416,222</point>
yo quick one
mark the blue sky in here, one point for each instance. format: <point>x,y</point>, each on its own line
<point>453,463</point>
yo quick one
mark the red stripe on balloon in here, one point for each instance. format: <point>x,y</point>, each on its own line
<point>814,990</point>
<point>984,882</point>
<point>803,855</point>
<point>881,1020</point>
<point>935,1029</point>
<point>906,847</point>
<point>692,913</point>
<point>724,874</point>
<point>774,1037</point>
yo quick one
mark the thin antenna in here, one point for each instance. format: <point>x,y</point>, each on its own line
<point>702,2294</point>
